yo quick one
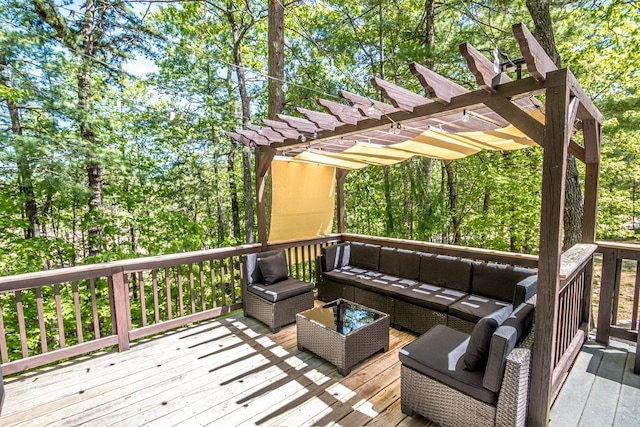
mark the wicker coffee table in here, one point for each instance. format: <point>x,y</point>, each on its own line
<point>343,333</point>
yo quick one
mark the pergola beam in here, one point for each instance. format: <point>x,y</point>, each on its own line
<point>400,97</point>
<point>538,62</point>
<point>482,69</point>
<point>437,87</point>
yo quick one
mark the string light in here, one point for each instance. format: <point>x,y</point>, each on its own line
<point>371,109</point>
<point>354,107</point>
<point>315,135</point>
<point>465,116</point>
<point>303,138</point>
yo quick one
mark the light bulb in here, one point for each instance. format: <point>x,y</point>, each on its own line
<point>315,135</point>
<point>303,138</point>
<point>371,109</point>
<point>354,107</point>
<point>465,116</point>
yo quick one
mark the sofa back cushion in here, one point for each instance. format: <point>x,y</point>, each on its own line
<point>273,266</point>
<point>497,281</point>
<point>335,256</point>
<point>446,271</point>
<point>389,261</point>
<point>365,256</point>
<point>504,340</point>
<point>477,353</point>
<point>409,264</point>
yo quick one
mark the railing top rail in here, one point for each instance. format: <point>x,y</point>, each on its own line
<point>623,250</point>
<point>574,259</point>
<point>502,257</point>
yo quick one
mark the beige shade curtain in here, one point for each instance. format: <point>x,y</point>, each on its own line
<point>433,143</point>
<point>303,200</point>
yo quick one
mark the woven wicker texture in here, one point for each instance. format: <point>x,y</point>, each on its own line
<point>376,301</point>
<point>343,351</point>
<point>276,315</point>
<point>460,325</point>
<point>417,318</point>
<point>449,407</point>
<point>328,290</point>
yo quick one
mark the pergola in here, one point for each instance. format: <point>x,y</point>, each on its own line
<point>451,122</point>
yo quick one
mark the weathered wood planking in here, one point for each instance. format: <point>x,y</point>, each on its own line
<point>229,370</point>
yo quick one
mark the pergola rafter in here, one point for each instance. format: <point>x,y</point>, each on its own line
<point>448,117</point>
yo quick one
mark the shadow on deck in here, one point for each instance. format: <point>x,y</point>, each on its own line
<point>229,371</point>
<point>601,389</point>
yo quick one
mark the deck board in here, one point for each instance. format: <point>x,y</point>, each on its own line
<point>229,371</point>
<point>601,388</point>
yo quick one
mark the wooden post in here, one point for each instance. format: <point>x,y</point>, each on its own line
<point>556,142</point>
<point>341,175</point>
<point>591,131</point>
<point>610,275</point>
<point>121,307</point>
<point>264,155</point>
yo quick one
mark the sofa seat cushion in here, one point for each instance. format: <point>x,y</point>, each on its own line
<point>381,283</point>
<point>430,296</point>
<point>346,274</point>
<point>472,308</point>
<point>438,354</point>
<point>282,290</point>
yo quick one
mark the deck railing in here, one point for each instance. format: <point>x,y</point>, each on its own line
<point>619,292</point>
<point>52,315</point>
<point>574,308</point>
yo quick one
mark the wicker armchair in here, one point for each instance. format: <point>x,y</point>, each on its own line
<point>269,294</point>
<point>495,396</point>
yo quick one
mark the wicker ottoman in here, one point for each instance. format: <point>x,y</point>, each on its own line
<point>343,333</point>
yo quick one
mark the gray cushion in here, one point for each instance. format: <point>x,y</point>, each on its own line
<point>477,353</point>
<point>525,289</point>
<point>273,267</point>
<point>365,256</point>
<point>504,340</point>
<point>381,283</point>
<point>431,296</point>
<point>389,261</point>
<point>497,281</point>
<point>281,290</point>
<point>472,308</point>
<point>251,271</point>
<point>409,264</point>
<point>438,354</point>
<point>344,275</point>
<point>442,270</point>
<point>335,256</point>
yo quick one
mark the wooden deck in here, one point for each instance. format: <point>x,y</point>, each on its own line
<point>601,389</point>
<point>228,371</point>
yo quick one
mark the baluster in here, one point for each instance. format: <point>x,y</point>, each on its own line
<point>76,305</point>
<point>212,273</point>
<point>303,262</point>
<point>223,285</point>
<point>21,328</point>
<point>4,354</point>
<point>94,309</point>
<point>41,324</point>
<point>56,292</point>
<point>156,306</point>
<point>143,299</point>
<point>180,300</point>
<point>167,284</point>
<point>202,295</point>
<point>192,296</point>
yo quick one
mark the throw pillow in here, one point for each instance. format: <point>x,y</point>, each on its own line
<point>273,268</point>
<point>477,353</point>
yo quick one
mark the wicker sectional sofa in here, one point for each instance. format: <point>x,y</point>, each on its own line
<point>421,290</point>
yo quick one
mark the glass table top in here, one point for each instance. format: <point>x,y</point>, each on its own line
<point>342,316</point>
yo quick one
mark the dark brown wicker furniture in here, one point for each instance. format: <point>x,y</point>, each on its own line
<point>420,290</point>
<point>436,385</point>
<point>343,333</point>
<point>274,303</point>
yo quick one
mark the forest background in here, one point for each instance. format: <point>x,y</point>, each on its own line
<point>100,163</point>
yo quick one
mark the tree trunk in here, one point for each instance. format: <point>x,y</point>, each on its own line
<point>25,174</point>
<point>246,118</point>
<point>235,208</point>
<point>573,204</point>
<point>276,58</point>
<point>452,185</point>
<point>220,218</point>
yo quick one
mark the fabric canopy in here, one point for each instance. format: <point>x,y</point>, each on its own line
<point>433,143</point>
<point>303,200</point>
